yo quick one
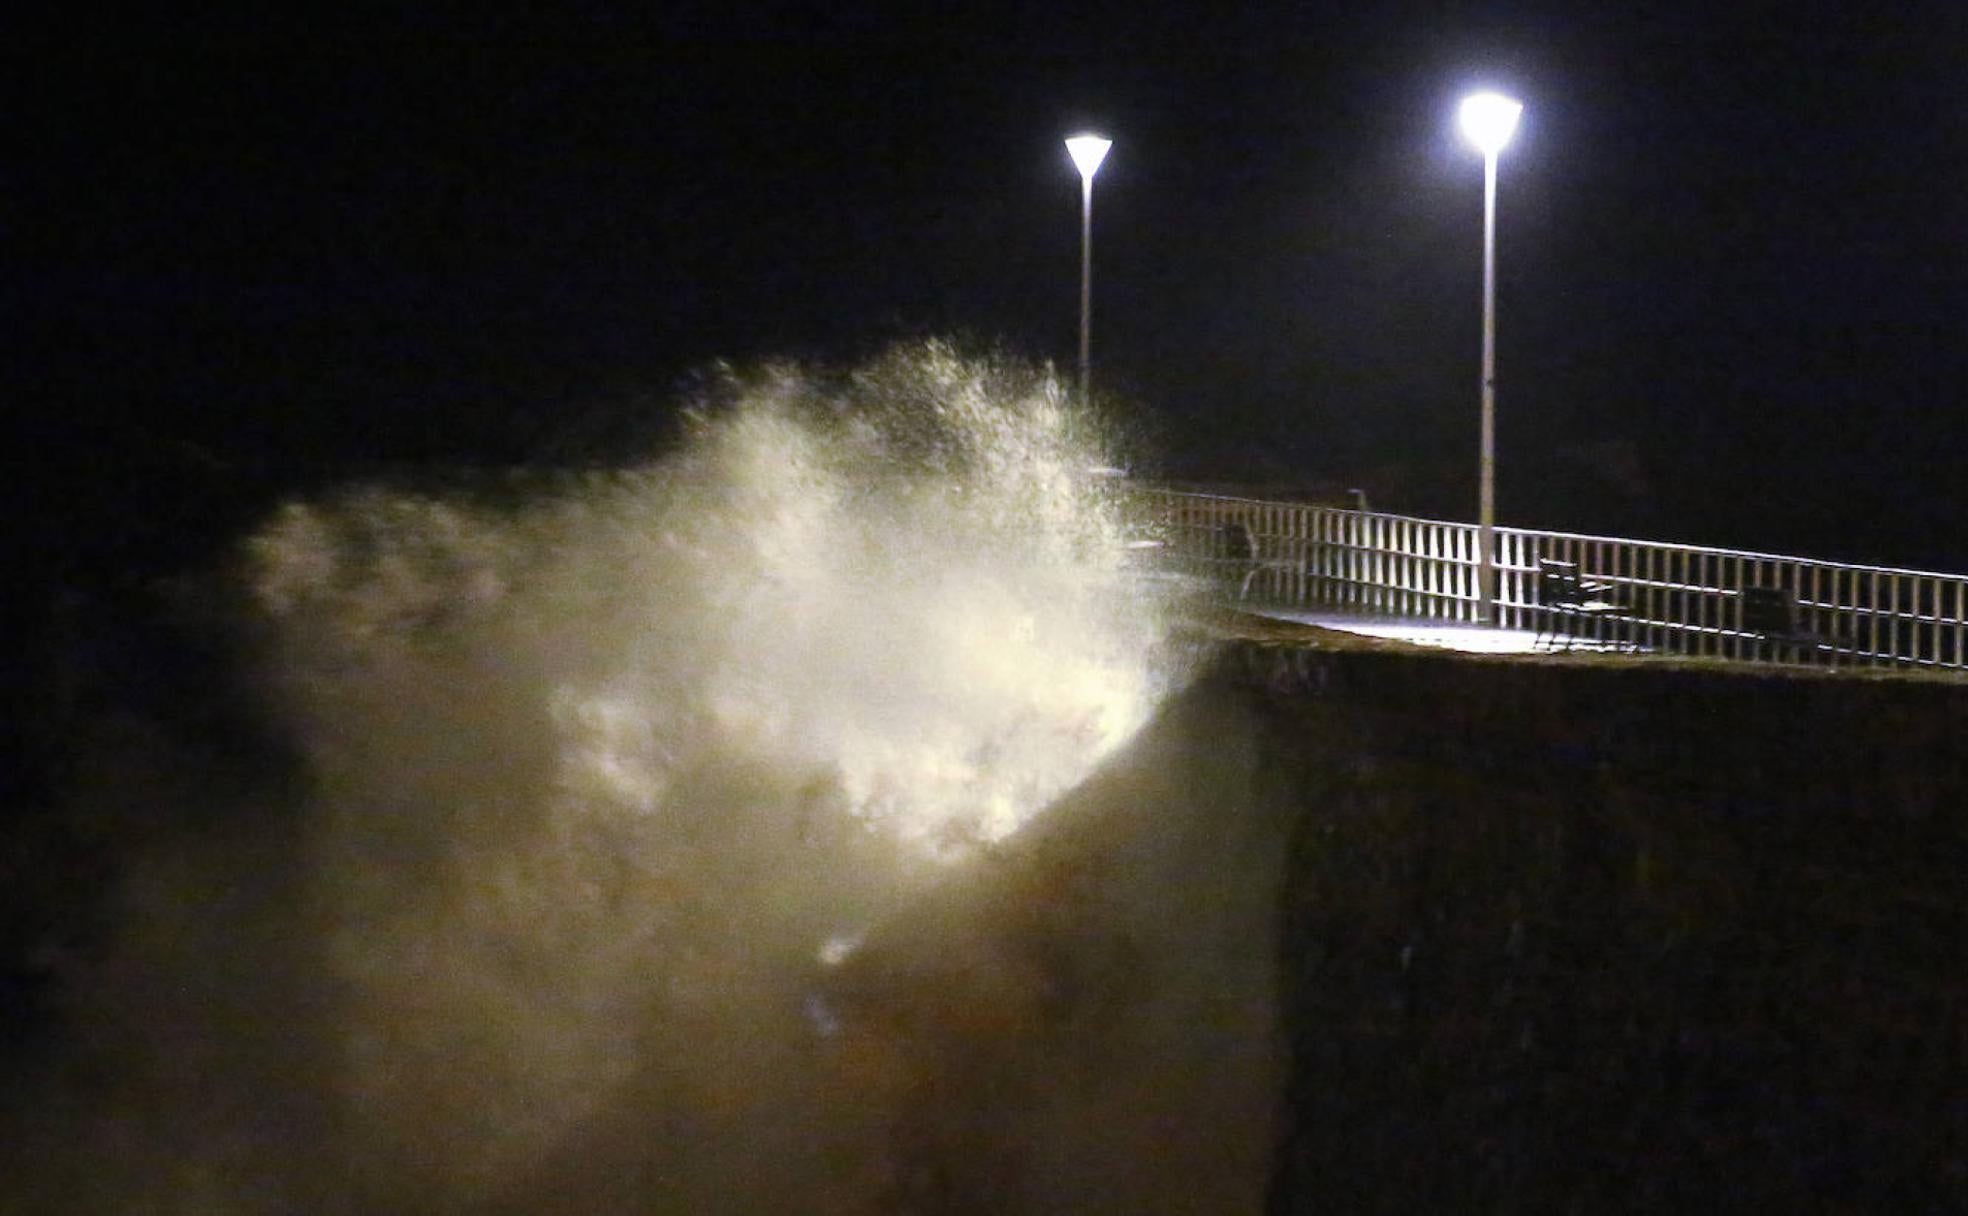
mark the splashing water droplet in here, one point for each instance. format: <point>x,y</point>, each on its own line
<point>606,768</point>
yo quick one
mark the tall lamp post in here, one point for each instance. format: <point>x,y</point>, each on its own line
<point>1087,152</point>
<point>1488,119</point>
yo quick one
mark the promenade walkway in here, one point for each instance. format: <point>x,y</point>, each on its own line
<point>1448,635</point>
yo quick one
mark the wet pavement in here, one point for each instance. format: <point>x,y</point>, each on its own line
<point>1465,636</point>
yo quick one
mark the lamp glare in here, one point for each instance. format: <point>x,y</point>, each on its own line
<point>1087,152</point>
<point>1488,120</point>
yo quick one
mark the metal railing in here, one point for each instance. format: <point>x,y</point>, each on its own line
<point>1669,598</point>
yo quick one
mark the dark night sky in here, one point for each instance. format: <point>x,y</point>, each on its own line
<point>1733,273</point>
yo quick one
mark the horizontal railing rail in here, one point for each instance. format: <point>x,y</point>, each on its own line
<point>1665,597</point>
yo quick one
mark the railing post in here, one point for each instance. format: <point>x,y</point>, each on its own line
<point>1961,622</point>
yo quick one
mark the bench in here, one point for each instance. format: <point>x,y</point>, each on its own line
<point>1249,553</point>
<point>1562,589</point>
<point>1769,614</point>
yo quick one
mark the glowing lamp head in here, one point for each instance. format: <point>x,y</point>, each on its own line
<point>1488,119</point>
<point>1087,152</point>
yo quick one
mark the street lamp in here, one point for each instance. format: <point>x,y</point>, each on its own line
<point>1488,119</point>
<point>1087,152</point>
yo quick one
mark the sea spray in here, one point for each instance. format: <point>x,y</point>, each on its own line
<point>593,774</point>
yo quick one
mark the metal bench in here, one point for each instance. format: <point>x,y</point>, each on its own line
<point>1257,554</point>
<point>1769,615</point>
<point>1564,593</point>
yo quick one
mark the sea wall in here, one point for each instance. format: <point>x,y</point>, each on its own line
<point>1592,935</point>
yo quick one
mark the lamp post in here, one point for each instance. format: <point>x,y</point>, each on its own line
<point>1488,119</point>
<point>1087,152</point>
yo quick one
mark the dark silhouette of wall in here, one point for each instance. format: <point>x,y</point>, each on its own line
<point>1579,936</point>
